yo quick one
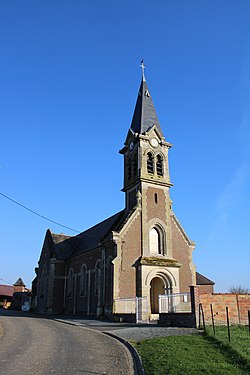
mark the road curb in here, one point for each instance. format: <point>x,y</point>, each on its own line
<point>139,370</point>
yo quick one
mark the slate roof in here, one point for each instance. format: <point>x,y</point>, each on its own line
<point>66,247</point>
<point>202,280</point>
<point>6,290</point>
<point>144,114</point>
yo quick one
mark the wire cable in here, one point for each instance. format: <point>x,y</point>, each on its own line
<point>36,213</point>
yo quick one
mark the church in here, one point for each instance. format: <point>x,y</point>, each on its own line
<point>139,253</point>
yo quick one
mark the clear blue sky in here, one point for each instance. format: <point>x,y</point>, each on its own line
<point>69,77</point>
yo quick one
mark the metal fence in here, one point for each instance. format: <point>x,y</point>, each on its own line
<point>174,303</point>
<point>136,305</point>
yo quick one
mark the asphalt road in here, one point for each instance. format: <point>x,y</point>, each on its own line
<point>32,345</point>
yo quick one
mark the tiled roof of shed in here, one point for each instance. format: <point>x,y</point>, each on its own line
<point>19,282</point>
<point>202,280</point>
<point>6,290</point>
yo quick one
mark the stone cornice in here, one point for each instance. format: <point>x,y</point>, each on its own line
<point>158,261</point>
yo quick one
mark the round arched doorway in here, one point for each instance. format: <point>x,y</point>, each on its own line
<point>157,287</point>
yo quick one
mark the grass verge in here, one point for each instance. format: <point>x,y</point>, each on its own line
<point>196,354</point>
<point>239,346</point>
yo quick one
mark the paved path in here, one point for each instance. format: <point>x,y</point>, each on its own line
<point>127,331</point>
<point>32,345</point>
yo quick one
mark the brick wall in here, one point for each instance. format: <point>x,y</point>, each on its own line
<point>203,289</point>
<point>131,251</point>
<point>238,306</point>
<point>181,252</point>
<point>77,303</point>
<point>156,210</point>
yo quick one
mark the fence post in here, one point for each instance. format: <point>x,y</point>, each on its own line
<point>195,301</point>
<point>212,316</point>
<point>249,322</point>
<point>202,314</point>
<point>238,307</point>
<point>228,328</point>
<point>199,316</point>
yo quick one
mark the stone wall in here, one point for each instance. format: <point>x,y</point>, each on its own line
<point>238,306</point>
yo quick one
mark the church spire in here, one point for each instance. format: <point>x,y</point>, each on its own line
<point>144,114</point>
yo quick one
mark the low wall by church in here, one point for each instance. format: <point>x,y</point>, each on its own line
<point>124,318</point>
<point>177,320</point>
<point>238,306</point>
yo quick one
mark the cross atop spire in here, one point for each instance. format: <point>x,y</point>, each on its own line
<point>143,69</point>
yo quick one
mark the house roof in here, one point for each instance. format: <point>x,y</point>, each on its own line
<point>19,282</point>
<point>6,290</point>
<point>203,280</point>
<point>144,116</point>
<point>66,246</point>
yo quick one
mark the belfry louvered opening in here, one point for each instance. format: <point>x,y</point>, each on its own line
<point>150,163</point>
<point>159,165</point>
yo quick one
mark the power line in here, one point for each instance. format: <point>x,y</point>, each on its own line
<point>36,213</point>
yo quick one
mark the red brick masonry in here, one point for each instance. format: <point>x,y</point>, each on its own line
<point>238,306</point>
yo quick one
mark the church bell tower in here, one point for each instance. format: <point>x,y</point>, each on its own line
<point>145,151</point>
<point>146,175</point>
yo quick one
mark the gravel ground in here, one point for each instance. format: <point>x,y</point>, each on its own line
<point>141,333</point>
<point>129,332</point>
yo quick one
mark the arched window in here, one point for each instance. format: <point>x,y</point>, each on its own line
<point>109,271</point>
<point>70,283</point>
<point>129,168</point>
<point>150,163</point>
<point>83,280</point>
<point>159,165</point>
<point>134,165</point>
<point>156,241</point>
<point>43,282</point>
<point>98,277</point>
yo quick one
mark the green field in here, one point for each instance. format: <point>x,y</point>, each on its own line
<point>198,354</point>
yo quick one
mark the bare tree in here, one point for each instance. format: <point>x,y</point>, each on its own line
<point>239,290</point>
